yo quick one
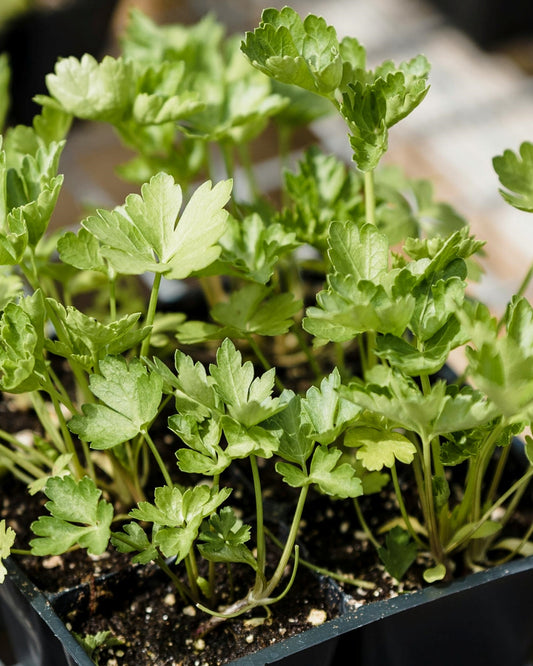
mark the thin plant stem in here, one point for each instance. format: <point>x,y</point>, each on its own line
<point>289,544</point>
<point>263,360</point>
<point>343,578</point>
<point>246,161</point>
<point>113,298</point>
<point>159,460</point>
<point>370,199</point>
<point>150,315</point>
<point>431,518</point>
<point>524,479</point>
<point>365,525</point>
<point>213,289</point>
<point>18,459</point>
<point>313,363</point>
<point>260,540</point>
<point>498,472</point>
<point>521,291</point>
<point>191,575</point>
<point>403,510</point>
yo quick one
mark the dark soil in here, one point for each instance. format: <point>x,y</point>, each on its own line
<point>143,611</point>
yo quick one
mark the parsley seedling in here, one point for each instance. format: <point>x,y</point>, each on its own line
<point>373,328</point>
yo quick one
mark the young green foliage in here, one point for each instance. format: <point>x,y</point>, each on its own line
<point>147,236</point>
<point>78,516</point>
<point>130,398</point>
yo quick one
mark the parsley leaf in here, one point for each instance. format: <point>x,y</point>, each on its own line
<point>515,172</point>
<point>130,397</point>
<point>145,234</point>
<point>79,516</point>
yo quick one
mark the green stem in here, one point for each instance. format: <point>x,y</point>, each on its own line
<point>315,367</point>
<point>481,465</point>
<point>365,525</point>
<point>191,575</point>
<point>431,518</point>
<point>498,472</point>
<point>370,199</point>
<point>159,460</point>
<point>213,289</point>
<point>67,437</point>
<point>150,315</point>
<point>46,421</point>
<point>227,155</point>
<point>403,510</point>
<point>260,540</point>
<point>113,299</point>
<point>289,544</point>
<point>263,360</point>
<point>521,291</point>
<point>244,154</point>
<point>18,459</point>
<point>522,481</point>
<point>343,578</point>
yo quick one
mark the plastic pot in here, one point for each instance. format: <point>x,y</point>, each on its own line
<point>484,619</point>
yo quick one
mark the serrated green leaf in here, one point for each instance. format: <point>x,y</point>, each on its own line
<point>81,250</point>
<point>379,448</point>
<point>515,171</point>
<point>91,90</point>
<point>248,399</point>
<point>397,398</point>
<point>207,456</point>
<point>403,87</point>
<point>251,310</point>
<point>303,53</point>
<point>19,351</point>
<point>145,235</point>
<point>331,478</point>
<point>88,341</point>
<point>292,475</point>
<point>254,248</point>
<point>398,553</point>
<point>79,516</point>
<point>322,190</point>
<point>239,102</point>
<point>195,391</point>
<point>244,441</point>
<point>293,430</point>
<point>435,302</point>
<point>224,537</point>
<point>365,109</point>
<point>178,515</point>
<point>423,359</point>
<point>7,539</point>
<point>349,307</point>
<point>130,397</point>
<point>137,542</point>
<point>362,253</point>
<point>326,411</point>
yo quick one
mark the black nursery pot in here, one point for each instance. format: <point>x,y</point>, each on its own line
<point>36,635</point>
<point>485,619</point>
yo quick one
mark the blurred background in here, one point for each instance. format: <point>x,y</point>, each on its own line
<point>480,102</point>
